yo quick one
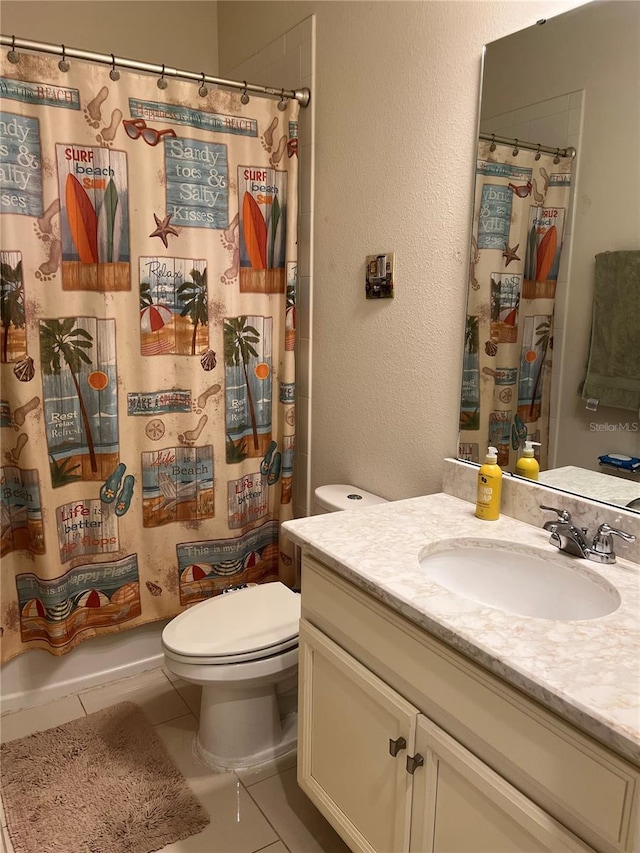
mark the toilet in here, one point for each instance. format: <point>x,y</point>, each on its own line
<point>242,647</point>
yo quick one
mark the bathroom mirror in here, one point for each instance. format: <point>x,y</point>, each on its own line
<point>573,80</point>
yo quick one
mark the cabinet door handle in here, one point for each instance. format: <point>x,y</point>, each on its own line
<point>396,745</point>
<point>413,762</point>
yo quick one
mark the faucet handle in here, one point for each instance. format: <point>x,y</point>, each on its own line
<point>602,543</point>
<point>563,515</point>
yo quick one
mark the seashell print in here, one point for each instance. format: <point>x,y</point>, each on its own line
<point>208,360</point>
<point>153,588</point>
<point>24,369</point>
<point>491,348</point>
<point>286,559</point>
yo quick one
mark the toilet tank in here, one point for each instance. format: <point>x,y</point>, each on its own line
<point>334,498</point>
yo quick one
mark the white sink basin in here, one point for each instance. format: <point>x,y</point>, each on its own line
<point>505,576</point>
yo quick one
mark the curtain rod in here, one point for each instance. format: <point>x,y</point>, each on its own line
<point>530,146</point>
<point>301,95</point>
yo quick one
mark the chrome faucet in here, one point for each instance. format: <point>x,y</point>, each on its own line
<point>568,538</point>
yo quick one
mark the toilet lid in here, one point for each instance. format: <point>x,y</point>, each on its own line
<point>236,623</point>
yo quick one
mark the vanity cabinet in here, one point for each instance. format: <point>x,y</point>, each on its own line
<point>406,745</point>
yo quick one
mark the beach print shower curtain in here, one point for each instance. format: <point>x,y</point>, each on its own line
<point>519,222</point>
<point>148,324</point>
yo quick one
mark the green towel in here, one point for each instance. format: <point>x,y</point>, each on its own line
<point>613,371</point>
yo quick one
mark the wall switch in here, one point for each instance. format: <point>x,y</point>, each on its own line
<point>380,274</point>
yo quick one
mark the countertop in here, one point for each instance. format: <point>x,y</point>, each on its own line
<point>588,672</point>
<point>598,485</point>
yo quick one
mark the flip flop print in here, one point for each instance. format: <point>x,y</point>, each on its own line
<point>112,484</point>
<point>124,498</point>
<point>266,462</point>
<point>274,470</point>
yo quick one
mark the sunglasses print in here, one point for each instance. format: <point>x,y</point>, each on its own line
<point>134,128</point>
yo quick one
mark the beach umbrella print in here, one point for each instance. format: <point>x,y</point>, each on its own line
<point>194,572</point>
<point>93,598</point>
<point>34,607</point>
<point>154,317</point>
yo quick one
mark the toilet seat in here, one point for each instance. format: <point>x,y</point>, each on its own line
<point>250,624</point>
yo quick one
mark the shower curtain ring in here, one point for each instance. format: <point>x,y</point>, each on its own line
<point>538,154</point>
<point>282,103</point>
<point>516,150</point>
<point>556,159</point>
<point>203,91</point>
<point>63,65</point>
<point>13,56</point>
<point>493,145</point>
<point>114,73</point>
<point>244,98</point>
<point>162,83</point>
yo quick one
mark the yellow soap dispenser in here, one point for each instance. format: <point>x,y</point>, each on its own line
<point>527,466</point>
<point>489,487</point>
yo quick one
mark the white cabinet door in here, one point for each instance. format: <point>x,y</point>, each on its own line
<point>460,805</point>
<point>348,720</point>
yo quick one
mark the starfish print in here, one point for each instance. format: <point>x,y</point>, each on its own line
<point>509,254</point>
<point>163,228</point>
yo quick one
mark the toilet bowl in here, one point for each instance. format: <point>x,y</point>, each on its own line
<point>242,648</point>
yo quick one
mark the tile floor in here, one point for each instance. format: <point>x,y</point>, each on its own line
<point>251,810</point>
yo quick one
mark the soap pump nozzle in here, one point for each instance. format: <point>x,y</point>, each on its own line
<point>528,448</point>
<point>492,455</point>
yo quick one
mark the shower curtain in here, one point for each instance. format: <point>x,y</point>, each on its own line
<point>519,221</point>
<point>148,324</point>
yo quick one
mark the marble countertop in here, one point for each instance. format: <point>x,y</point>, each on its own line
<point>588,671</point>
<point>597,484</point>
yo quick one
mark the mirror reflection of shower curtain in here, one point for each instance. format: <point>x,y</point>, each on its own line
<point>148,322</point>
<point>520,211</point>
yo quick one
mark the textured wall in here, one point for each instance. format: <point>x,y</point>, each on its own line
<point>180,33</point>
<point>397,92</point>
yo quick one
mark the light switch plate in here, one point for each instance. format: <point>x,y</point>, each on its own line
<point>379,280</point>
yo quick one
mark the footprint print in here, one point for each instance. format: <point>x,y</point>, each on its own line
<point>50,267</point>
<point>20,414</point>
<point>202,399</point>
<point>48,234</point>
<point>93,110</point>
<point>277,154</point>
<point>107,134</point>
<point>12,456</point>
<point>267,136</point>
<point>191,435</point>
<point>44,223</point>
<point>231,241</point>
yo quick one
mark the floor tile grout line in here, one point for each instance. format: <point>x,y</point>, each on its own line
<point>266,817</point>
<point>189,713</point>
<point>266,847</point>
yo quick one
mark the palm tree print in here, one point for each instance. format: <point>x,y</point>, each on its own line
<point>194,296</point>
<point>471,335</point>
<point>239,339</point>
<point>543,330</point>
<point>12,303</point>
<point>470,418</point>
<point>59,340</point>
<point>145,295</point>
